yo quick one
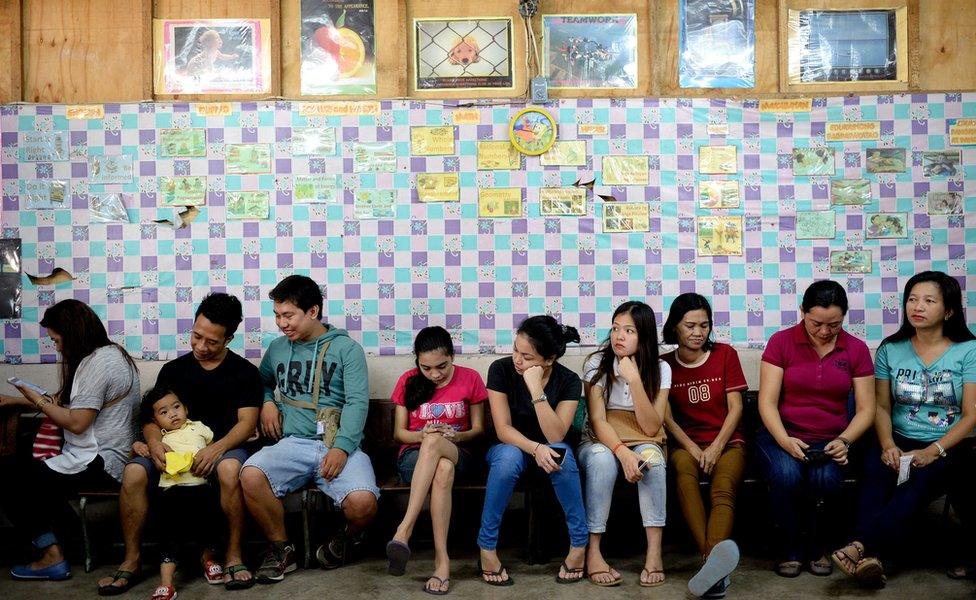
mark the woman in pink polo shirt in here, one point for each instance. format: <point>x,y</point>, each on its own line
<point>805,381</point>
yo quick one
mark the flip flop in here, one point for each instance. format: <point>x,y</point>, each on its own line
<point>131,578</point>
<point>613,583</point>
<point>870,574</point>
<point>213,572</point>
<point>440,583</point>
<point>501,571</point>
<point>650,583</point>
<point>565,570</point>
<point>238,584</point>
<point>398,554</point>
<point>721,562</point>
<point>789,568</point>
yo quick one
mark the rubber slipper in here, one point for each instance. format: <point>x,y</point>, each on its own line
<point>721,562</point>
<point>213,572</point>
<point>612,583</point>
<point>789,568</point>
<point>501,571</point>
<point>821,567</point>
<point>440,583</point>
<point>564,571</point>
<point>131,578</point>
<point>398,554</point>
<point>650,583</point>
<point>238,584</point>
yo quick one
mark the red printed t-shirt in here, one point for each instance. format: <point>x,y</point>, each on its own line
<point>449,404</point>
<point>813,399</point>
<point>697,393</point>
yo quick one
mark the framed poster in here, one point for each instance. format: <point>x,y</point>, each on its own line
<point>885,160</point>
<point>719,236</point>
<point>212,56</point>
<point>813,162</point>
<point>717,44</point>
<point>463,54</point>
<point>886,225</point>
<point>850,192</point>
<point>590,51</point>
<point>851,261</point>
<point>842,42</point>
<point>944,203</point>
<point>338,50</point>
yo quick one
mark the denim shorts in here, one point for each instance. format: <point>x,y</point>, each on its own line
<point>239,454</point>
<point>408,462</point>
<point>293,463</point>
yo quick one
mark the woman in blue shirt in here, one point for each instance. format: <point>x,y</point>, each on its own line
<point>926,392</point>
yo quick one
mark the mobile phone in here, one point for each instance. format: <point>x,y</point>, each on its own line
<point>26,384</point>
<point>562,455</point>
<point>813,455</point>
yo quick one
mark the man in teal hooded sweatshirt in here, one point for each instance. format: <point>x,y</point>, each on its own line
<point>322,399</point>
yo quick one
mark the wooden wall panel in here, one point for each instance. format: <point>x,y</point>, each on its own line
<point>947,40</point>
<point>645,50</point>
<point>391,50</point>
<point>447,9</point>
<point>86,50</point>
<point>767,53</point>
<point>10,54</point>
<point>227,9</point>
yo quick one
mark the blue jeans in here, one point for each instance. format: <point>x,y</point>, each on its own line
<point>600,467</point>
<point>506,463</point>
<point>797,491</point>
<point>884,508</point>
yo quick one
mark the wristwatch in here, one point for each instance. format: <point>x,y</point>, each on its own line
<point>541,398</point>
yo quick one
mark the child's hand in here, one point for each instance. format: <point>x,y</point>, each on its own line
<point>140,449</point>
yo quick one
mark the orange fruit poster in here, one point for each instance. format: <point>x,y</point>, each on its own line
<point>338,47</point>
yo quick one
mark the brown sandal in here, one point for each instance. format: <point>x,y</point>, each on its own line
<point>870,573</point>
<point>612,583</point>
<point>649,573</point>
<point>846,560</point>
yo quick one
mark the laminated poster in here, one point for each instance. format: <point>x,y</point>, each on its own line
<point>375,204</point>
<point>107,208</point>
<point>212,56</point>
<point>718,194</point>
<point>183,191</point>
<point>498,156</point>
<point>182,142</point>
<point>109,169</point>
<point>313,141</point>
<point>590,51</point>
<point>463,54</point>
<point>499,202</point>
<point>717,44</point>
<point>242,159</point>
<point>816,225</point>
<point>432,141</point>
<point>850,192</point>
<point>562,201</point>
<point>316,188</point>
<point>248,206</point>
<point>717,160</point>
<point>11,289</point>
<point>625,170</point>
<point>944,203</point>
<point>374,157</point>
<point>813,161</point>
<point>886,225</point>
<point>851,261</point>
<point>621,217</point>
<point>43,146</point>
<point>886,160</point>
<point>338,40</point>
<point>719,236</point>
<point>569,153</point>
<point>941,165</point>
<point>45,194</point>
<point>438,187</point>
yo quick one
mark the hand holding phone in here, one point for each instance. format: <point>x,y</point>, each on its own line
<point>816,456</point>
<point>562,455</point>
<point>18,382</point>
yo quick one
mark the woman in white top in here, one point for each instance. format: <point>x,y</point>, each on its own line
<point>95,406</point>
<point>626,388</point>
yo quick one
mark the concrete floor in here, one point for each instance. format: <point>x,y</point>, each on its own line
<point>368,580</point>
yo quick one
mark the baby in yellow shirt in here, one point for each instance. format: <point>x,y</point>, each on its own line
<point>182,493</point>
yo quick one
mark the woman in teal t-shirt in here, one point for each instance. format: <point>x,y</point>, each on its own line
<point>926,392</point>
